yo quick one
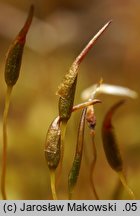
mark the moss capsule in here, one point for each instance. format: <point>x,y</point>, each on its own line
<point>109,140</point>
<point>66,89</point>
<point>52,144</point>
<point>74,172</point>
<point>14,54</point>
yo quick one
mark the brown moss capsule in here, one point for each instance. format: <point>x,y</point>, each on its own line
<point>111,148</point>
<point>14,54</point>
<point>52,144</point>
<point>90,117</point>
<point>66,90</point>
<point>74,172</point>
<point>109,141</point>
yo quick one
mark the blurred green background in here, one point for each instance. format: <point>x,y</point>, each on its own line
<point>59,31</point>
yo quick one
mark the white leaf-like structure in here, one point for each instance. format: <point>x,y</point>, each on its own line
<point>96,89</point>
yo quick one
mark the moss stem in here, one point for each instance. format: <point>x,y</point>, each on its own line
<point>4,152</point>
<point>93,167</point>
<point>53,188</point>
<point>124,183</point>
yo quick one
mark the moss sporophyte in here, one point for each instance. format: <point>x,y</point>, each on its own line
<point>111,147</point>
<point>66,89</point>
<point>53,144</point>
<point>74,172</point>
<point>12,69</point>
